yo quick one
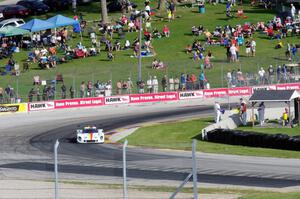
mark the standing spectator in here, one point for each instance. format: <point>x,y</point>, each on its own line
<point>119,87</point>
<point>82,89</point>
<point>234,77</point>
<point>183,81</point>
<point>176,84</point>
<point>171,84</point>
<point>63,91</point>
<point>284,73</point>
<point>149,85</point>
<point>201,80</point>
<point>147,7</point>
<point>169,15</point>
<point>89,87</point>
<point>243,111</point>
<point>155,84</point>
<point>1,95</point>
<point>261,113</point>
<point>271,74</point>
<point>124,87</point>
<point>164,83</point>
<point>229,79</point>
<point>294,53</point>
<point>285,117</point>
<point>38,94</point>
<point>193,81</point>
<point>293,11</point>
<point>129,85</point>
<point>261,74</point>
<point>217,110</point>
<point>172,8</point>
<point>288,52</point>
<point>12,95</point>
<point>232,50</point>
<point>253,47</point>
<point>248,48</point>
<point>278,73</point>
<point>141,86</point>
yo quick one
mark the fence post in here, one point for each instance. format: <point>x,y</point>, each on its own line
<point>125,196</point>
<point>195,180</point>
<point>55,168</point>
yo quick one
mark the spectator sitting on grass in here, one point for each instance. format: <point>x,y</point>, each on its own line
<point>166,31</point>
<point>188,49</point>
<point>110,56</point>
<point>126,45</point>
<point>156,33</point>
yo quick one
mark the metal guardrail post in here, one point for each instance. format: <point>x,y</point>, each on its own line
<point>194,174</point>
<point>55,168</point>
<point>125,195</point>
<point>195,180</point>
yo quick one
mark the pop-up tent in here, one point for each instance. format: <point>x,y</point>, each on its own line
<point>60,20</point>
<point>9,31</point>
<point>36,25</point>
<point>286,96</point>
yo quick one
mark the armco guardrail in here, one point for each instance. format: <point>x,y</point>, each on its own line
<point>147,97</point>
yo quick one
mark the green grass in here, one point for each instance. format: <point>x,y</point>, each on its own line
<point>169,50</point>
<point>179,135</point>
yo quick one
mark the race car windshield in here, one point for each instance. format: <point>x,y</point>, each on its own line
<point>90,131</point>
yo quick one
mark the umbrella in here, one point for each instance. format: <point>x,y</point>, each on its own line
<point>8,31</point>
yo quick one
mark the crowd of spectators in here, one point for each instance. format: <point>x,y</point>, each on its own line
<point>272,75</point>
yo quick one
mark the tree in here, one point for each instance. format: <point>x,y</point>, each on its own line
<point>161,5</point>
<point>104,15</point>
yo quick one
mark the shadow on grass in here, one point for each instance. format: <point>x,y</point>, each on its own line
<point>280,59</point>
<point>225,19</point>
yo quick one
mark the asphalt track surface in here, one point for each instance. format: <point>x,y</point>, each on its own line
<point>106,159</point>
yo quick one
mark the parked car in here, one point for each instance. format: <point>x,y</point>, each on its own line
<point>57,4</point>
<point>35,6</point>
<point>15,11</point>
<point>16,22</point>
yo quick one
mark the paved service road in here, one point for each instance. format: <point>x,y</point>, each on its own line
<point>36,136</point>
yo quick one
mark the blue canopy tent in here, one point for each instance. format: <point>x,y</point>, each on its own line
<point>36,25</point>
<point>60,20</point>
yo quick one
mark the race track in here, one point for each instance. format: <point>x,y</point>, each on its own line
<point>106,159</point>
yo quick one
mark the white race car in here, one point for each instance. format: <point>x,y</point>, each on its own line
<point>90,134</point>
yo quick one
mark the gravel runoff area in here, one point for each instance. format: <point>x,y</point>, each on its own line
<point>38,189</point>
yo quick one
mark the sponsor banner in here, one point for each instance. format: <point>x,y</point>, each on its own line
<point>239,91</point>
<point>190,95</point>
<point>81,102</point>
<point>154,97</point>
<point>295,86</point>
<point>117,100</point>
<point>264,87</point>
<point>220,92</point>
<point>13,108</point>
<point>38,106</point>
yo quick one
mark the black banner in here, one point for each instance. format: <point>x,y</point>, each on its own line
<point>5,109</point>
